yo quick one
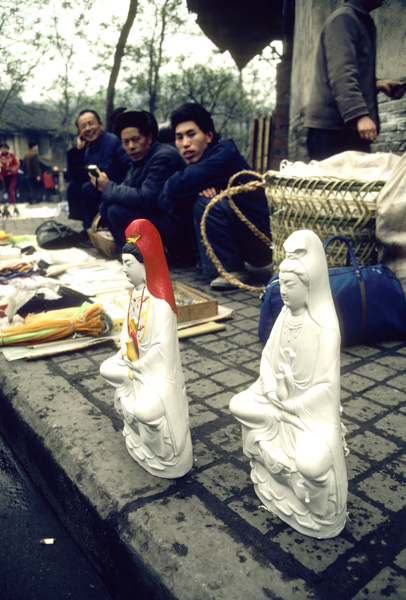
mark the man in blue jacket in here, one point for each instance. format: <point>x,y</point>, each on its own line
<point>210,164</point>
<point>93,147</point>
<point>137,197</point>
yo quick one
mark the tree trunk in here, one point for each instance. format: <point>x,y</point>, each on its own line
<point>118,56</point>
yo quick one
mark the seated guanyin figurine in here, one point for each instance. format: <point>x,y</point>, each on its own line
<point>290,416</point>
<point>147,372</point>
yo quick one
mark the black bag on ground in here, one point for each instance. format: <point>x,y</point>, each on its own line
<point>56,236</point>
<point>369,301</point>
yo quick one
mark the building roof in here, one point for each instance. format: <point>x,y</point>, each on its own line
<point>19,117</point>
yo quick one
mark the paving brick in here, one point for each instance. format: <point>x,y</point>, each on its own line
<point>393,424</point>
<point>207,366</point>
<point>361,409</point>
<point>229,439</point>
<point>199,414</point>
<point>387,584</point>
<point>387,396</point>
<point>314,554</point>
<point>223,481</point>
<point>362,517</point>
<point>398,382</point>
<point>400,560</point>
<point>362,351</point>
<point>355,383</point>
<point>393,361</point>
<point>375,371</point>
<point>202,388</point>
<point>372,446</point>
<point>355,465</point>
<point>383,488</point>
<point>232,378</point>
<point>221,401</point>
<point>248,507</point>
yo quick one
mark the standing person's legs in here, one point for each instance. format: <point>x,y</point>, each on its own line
<point>11,182</point>
<point>323,143</point>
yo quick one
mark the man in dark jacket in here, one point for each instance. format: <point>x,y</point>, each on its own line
<point>93,147</point>
<point>211,163</point>
<point>342,112</point>
<point>32,170</point>
<point>137,197</point>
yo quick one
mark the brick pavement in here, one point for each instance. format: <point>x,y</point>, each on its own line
<point>205,535</point>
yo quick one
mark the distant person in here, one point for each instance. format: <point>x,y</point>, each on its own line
<point>32,171</point>
<point>137,196</point>
<point>9,164</point>
<point>210,164</point>
<point>48,178</point>
<point>342,112</point>
<point>93,147</point>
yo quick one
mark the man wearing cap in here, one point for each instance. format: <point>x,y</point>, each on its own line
<point>137,197</point>
<point>93,147</point>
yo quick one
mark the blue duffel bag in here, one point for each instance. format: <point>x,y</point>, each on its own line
<point>369,301</point>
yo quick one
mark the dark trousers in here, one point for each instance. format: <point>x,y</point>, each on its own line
<point>84,201</point>
<point>171,229</point>
<point>232,242</point>
<point>323,143</point>
<point>36,191</point>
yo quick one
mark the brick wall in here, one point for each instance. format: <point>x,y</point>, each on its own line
<point>392,137</point>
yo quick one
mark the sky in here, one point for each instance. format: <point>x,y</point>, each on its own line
<point>194,43</point>
<point>191,42</point>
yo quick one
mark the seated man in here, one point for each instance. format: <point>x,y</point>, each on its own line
<point>210,165</point>
<point>93,147</point>
<point>137,196</point>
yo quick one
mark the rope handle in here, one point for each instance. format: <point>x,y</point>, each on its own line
<point>251,186</point>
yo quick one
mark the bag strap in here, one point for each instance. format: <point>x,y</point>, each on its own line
<point>228,193</point>
<point>350,252</point>
<point>358,273</point>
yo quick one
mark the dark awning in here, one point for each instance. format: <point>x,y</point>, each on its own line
<point>243,27</point>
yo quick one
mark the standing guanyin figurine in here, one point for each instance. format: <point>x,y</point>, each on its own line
<point>147,372</point>
<point>290,416</point>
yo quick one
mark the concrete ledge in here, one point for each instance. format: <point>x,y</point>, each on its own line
<point>147,536</point>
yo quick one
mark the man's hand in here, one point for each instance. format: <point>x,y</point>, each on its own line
<point>99,182</point>
<point>367,129</point>
<point>393,89</point>
<point>209,192</point>
<point>80,143</point>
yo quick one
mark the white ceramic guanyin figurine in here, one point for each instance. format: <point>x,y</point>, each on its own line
<point>147,372</point>
<point>290,416</point>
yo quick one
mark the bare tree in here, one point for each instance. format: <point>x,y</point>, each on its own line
<point>118,56</point>
<point>20,27</point>
<point>65,49</point>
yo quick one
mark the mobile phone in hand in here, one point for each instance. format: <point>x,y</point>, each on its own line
<point>94,170</point>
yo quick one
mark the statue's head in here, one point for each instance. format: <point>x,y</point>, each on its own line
<point>133,265</point>
<point>305,257</point>
<point>143,242</point>
<point>294,285</point>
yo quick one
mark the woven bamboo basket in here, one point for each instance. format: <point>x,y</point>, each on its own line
<point>327,207</point>
<point>102,239</point>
